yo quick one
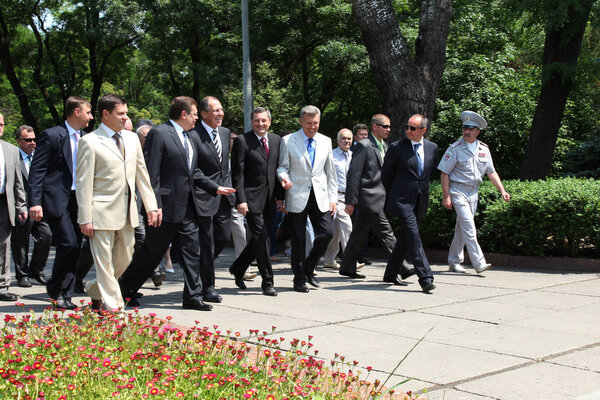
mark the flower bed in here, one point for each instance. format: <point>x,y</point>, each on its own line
<point>81,355</point>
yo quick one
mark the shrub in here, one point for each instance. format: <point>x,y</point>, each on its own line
<point>555,217</point>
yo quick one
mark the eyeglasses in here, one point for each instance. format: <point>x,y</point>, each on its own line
<point>384,126</point>
<point>28,140</point>
<point>412,128</point>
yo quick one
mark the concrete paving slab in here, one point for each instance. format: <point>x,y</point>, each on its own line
<point>486,311</point>
<point>589,287</point>
<point>583,319</point>
<point>539,381</point>
<point>586,359</point>
<point>546,300</point>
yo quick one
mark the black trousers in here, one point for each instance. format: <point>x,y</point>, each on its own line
<point>184,239</point>
<point>258,247</point>
<point>222,226</point>
<point>302,266</point>
<point>19,244</point>
<point>66,236</point>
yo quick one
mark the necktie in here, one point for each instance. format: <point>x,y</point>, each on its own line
<point>186,147</point>
<point>76,136</point>
<point>117,137</point>
<point>381,149</point>
<point>264,145</point>
<point>311,151</point>
<point>345,153</point>
<point>215,140</point>
<point>419,159</point>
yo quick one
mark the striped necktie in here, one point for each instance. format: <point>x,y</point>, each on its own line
<point>217,144</point>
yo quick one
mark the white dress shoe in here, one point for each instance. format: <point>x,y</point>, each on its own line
<point>456,268</point>
<point>483,267</point>
<point>333,265</point>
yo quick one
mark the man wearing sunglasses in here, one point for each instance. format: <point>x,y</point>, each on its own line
<point>463,166</point>
<point>25,268</point>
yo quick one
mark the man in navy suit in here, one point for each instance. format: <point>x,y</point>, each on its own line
<point>215,211</point>
<point>254,159</point>
<point>407,171</point>
<point>52,195</point>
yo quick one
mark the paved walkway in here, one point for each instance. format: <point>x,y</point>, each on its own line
<point>509,334</point>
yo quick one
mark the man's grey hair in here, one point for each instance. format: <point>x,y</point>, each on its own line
<point>424,120</point>
<point>260,110</point>
<point>378,119</point>
<point>309,110</point>
<point>20,130</point>
<point>141,129</point>
<point>339,134</point>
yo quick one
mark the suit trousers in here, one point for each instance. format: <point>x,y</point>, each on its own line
<point>222,226</point>
<point>465,232</point>
<point>342,228</point>
<point>363,224</point>
<point>258,247</point>
<point>66,236</point>
<point>112,252</point>
<point>409,245</point>
<point>184,239</point>
<point>19,244</point>
<point>304,266</point>
<point>5,231</point>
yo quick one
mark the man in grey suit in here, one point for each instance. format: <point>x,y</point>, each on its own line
<point>307,172</point>
<point>12,201</point>
<point>365,191</point>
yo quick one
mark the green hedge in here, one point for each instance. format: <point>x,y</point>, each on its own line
<point>555,217</point>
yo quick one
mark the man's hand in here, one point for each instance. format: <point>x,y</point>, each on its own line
<point>281,206</point>
<point>23,216</point>
<point>505,196</point>
<point>87,229</point>
<point>286,183</point>
<point>333,209</point>
<point>242,208</point>
<point>225,190</point>
<point>447,202</point>
<point>36,213</point>
<point>349,209</point>
<point>153,218</point>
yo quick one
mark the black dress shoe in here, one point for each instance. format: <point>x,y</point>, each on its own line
<point>97,305</point>
<point>63,304</point>
<point>300,287</point>
<point>138,295</point>
<point>158,278</point>
<point>363,260</point>
<point>352,275</point>
<point>239,282</point>
<point>312,280</point>
<point>40,278</point>
<point>428,287</point>
<point>407,274</point>
<point>269,291</point>
<point>8,297</point>
<point>24,282</point>
<point>212,297</point>
<point>196,305</point>
<point>79,287</point>
<point>394,280</point>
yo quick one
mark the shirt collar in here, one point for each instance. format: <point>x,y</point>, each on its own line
<point>260,137</point>
<point>306,137</point>
<point>25,155</point>
<point>413,142</point>
<point>376,140</point>
<point>177,127</point>
<point>208,128</point>
<point>110,132</point>
<point>70,129</point>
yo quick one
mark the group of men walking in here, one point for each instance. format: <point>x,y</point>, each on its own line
<point>88,184</point>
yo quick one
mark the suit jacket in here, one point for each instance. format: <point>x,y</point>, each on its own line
<point>363,181</point>
<point>254,177</point>
<point>51,171</point>
<point>106,182</point>
<point>172,180</point>
<point>218,172</point>
<point>15,193</point>
<point>294,163</point>
<point>407,191</point>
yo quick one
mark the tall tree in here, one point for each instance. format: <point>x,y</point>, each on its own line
<point>566,21</point>
<point>407,83</point>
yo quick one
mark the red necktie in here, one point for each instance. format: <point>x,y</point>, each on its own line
<point>264,145</point>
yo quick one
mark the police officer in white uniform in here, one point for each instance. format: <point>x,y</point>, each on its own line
<point>463,166</point>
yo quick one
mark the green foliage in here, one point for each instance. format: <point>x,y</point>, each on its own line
<point>584,160</point>
<point>555,217</point>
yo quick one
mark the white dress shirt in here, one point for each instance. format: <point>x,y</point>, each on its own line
<point>341,160</point>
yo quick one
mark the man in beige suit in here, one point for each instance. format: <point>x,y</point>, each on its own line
<point>12,202</point>
<point>110,163</point>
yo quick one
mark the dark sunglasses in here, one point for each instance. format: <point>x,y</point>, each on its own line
<point>412,128</point>
<point>384,126</point>
<point>28,140</point>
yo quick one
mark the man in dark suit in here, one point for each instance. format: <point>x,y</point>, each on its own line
<point>365,192</point>
<point>39,230</point>
<point>172,151</point>
<point>215,212</point>
<point>407,171</point>
<point>254,160</point>
<point>13,208</point>
<point>52,195</point>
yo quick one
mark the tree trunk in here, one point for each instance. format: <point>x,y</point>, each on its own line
<point>9,70</point>
<point>406,86</point>
<point>561,50</point>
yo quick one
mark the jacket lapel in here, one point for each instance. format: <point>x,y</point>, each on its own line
<point>376,148</point>
<point>299,141</point>
<point>109,142</point>
<point>179,145</point>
